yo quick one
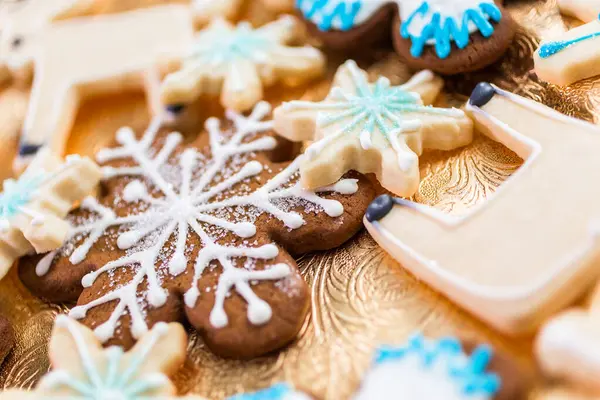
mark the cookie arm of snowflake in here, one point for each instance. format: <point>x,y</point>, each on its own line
<point>372,128</point>
<point>205,11</point>
<point>37,223</point>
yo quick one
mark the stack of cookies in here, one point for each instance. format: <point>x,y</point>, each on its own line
<point>272,137</point>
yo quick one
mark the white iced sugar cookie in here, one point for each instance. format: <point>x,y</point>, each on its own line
<point>32,208</point>
<point>23,24</point>
<point>585,10</point>
<point>101,54</point>
<point>238,61</point>
<point>571,57</point>
<point>372,128</point>
<point>82,369</point>
<point>432,370</point>
<point>530,249</point>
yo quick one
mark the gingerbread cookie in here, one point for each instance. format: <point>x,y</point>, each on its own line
<point>585,10</point>
<point>32,208</point>
<point>447,37</point>
<point>23,24</point>
<point>568,346</point>
<point>103,54</point>
<point>571,57</point>
<point>508,261</point>
<point>279,5</point>
<point>441,370</point>
<point>7,338</point>
<point>279,391</point>
<point>200,232</point>
<point>238,61</point>
<point>372,128</point>
<point>82,369</point>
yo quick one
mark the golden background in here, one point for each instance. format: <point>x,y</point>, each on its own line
<point>361,297</point>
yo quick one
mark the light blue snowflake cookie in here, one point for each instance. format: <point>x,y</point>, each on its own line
<point>432,370</point>
<point>445,26</point>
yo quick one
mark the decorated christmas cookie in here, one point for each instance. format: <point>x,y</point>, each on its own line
<point>280,391</point>
<point>441,370</point>
<point>82,369</point>
<point>23,24</point>
<point>101,54</point>
<point>7,339</point>
<point>522,254</point>
<point>279,5</point>
<point>238,61</point>
<point>200,232</point>
<point>445,36</point>
<point>585,10</point>
<point>207,10</point>
<point>568,346</point>
<point>571,57</point>
<point>372,128</point>
<point>32,208</point>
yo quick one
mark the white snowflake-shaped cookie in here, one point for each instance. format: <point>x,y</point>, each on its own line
<point>188,227</point>
<point>33,207</point>
<point>372,128</point>
<point>238,61</point>
<point>82,369</point>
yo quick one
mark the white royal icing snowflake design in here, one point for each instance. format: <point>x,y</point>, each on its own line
<point>192,209</point>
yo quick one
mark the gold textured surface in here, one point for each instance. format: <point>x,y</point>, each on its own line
<point>361,297</point>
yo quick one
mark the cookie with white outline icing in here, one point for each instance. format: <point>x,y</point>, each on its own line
<point>198,232</point>
<point>237,62</point>
<point>447,37</point>
<point>372,128</point>
<point>82,369</point>
<point>442,369</point>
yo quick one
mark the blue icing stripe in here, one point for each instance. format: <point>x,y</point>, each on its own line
<point>445,30</point>
<point>276,392</point>
<point>551,48</point>
<point>472,377</point>
<point>327,11</point>
<point>17,193</point>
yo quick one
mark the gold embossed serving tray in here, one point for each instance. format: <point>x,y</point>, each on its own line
<point>361,297</point>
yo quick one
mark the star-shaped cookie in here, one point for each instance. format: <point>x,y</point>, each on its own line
<point>372,128</point>
<point>238,61</point>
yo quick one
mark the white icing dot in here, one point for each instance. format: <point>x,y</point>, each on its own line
<point>157,297</point>
<point>135,191</point>
<point>191,296</point>
<point>124,135</point>
<point>104,331</point>
<point>245,229</point>
<point>294,220</point>
<point>259,312</point>
<point>218,318</point>
<point>177,264</point>
<point>88,280</point>
<point>78,312</point>
<point>332,208</point>
<point>127,239</point>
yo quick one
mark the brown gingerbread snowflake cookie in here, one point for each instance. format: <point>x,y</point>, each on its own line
<point>444,36</point>
<point>200,232</point>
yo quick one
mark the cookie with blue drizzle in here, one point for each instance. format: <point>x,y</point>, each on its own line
<point>442,369</point>
<point>447,37</point>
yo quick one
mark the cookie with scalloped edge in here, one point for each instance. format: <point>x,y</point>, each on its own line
<point>201,232</point>
<point>447,37</point>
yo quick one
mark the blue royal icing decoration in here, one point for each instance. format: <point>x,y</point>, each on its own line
<point>435,22</point>
<point>551,48</point>
<point>16,194</point>
<point>437,369</point>
<point>279,391</point>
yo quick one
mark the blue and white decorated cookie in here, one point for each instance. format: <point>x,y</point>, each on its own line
<point>445,36</point>
<point>439,370</point>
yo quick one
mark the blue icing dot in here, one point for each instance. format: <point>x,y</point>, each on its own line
<point>551,48</point>
<point>472,377</point>
<point>275,392</point>
<point>445,30</point>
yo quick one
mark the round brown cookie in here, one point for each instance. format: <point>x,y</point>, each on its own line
<point>515,384</point>
<point>231,275</point>
<point>376,29</point>
<point>479,53</point>
<point>7,338</point>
